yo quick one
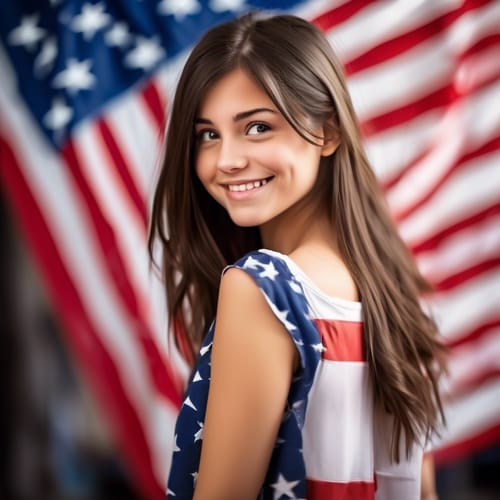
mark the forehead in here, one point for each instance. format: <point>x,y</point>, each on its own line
<point>232,93</point>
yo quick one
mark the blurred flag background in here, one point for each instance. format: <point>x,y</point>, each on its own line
<point>85,87</point>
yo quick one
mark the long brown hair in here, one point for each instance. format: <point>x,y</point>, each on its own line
<point>295,64</point>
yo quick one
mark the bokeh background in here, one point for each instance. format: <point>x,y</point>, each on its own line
<point>90,384</point>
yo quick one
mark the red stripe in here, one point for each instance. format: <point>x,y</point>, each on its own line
<point>161,374</point>
<point>437,99</point>
<point>485,149</point>
<point>471,336</point>
<point>467,274</point>
<point>433,242</point>
<point>343,340</point>
<point>457,450</point>
<point>83,337</point>
<point>484,43</point>
<point>410,39</point>
<point>123,170</point>
<point>355,490</point>
<point>338,15</point>
<point>156,105</point>
<point>473,382</point>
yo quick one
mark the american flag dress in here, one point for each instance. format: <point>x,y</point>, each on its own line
<point>332,443</point>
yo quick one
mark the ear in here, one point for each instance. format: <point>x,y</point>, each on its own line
<point>331,140</point>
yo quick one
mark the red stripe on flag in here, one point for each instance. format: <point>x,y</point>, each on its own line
<point>483,150</point>
<point>123,170</point>
<point>464,275</point>
<point>159,371</point>
<point>473,382</point>
<point>400,44</point>
<point>437,99</point>
<point>434,241</point>
<point>343,340</point>
<point>353,490</point>
<point>338,15</point>
<point>477,333</point>
<point>460,449</point>
<point>83,337</point>
<point>156,104</point>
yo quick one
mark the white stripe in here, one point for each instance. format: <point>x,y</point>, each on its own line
<point>338,429</point>
<point>462,309</point>
<point>138,138</point>
<point>62,209</point>
<point>392,150</point>
<point>475,412</point>
<point>406,77</point>
<point>469,190</point>
<point>401,79</point>
<point>461,250</point>
<point>473,359</point>
<point>383,21</point>
<point>465,126</point>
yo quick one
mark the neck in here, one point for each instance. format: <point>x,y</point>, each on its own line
<point>296,229</point>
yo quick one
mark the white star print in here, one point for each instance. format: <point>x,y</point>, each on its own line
<point>281,315</point>
<point>318,347</point>
<point>195,476</point>
<point>223,5</point>
<point>284,487</point>
<point>146,54</point>
<point>178,9</point>
<point>197,377</point>
<point>75,77</point>
<point>118,35</point>
<point>44,61</point>
<point>27,34</point>
<point>269,271</point>
<point>199,433</point>
<point>251,263</point>
<point>58,116</point>
<point>91,20</point>
<point>295,286</point>
<point>176,446</point>
<point>205,349</point>
<point>189,403</point>
<point>170,492</point>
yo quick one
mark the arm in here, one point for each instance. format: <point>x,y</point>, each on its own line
<point>253,359</point>
<point>428,489</point>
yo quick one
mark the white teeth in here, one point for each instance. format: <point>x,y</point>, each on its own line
<point>248,186</point>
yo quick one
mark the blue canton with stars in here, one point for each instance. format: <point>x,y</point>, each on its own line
<point>71,57</point>
<point>286,476</point>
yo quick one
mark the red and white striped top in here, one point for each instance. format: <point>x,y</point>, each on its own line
<point>345,439</point>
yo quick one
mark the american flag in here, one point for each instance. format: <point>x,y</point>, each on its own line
<point>84,89</point>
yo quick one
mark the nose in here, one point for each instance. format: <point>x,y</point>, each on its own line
<point>231,157</point>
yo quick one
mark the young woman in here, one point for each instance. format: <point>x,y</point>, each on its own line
<point>318,378</point>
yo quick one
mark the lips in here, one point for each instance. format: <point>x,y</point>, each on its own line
<point>247,185</point>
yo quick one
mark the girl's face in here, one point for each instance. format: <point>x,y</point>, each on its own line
<point>248,157</point>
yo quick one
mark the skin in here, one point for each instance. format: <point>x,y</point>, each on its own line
<point>242,139</point>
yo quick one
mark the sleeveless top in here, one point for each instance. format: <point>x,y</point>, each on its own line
<point>332,443</point>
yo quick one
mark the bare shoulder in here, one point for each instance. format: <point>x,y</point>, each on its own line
<point>244,315</point>
<point>326,269</point>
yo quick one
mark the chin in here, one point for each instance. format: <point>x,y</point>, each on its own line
<point>246,221</point>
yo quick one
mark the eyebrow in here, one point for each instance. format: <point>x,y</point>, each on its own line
<point>238,116</point>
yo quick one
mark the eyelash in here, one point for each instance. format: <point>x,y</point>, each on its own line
<point>200,135</point>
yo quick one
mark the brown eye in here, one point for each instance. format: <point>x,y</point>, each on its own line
<point>207,135</point>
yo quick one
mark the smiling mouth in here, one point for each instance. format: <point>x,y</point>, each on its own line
<point>248,186</point>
